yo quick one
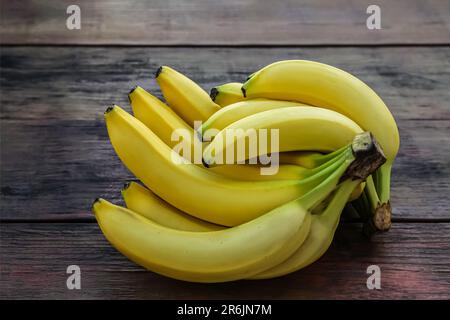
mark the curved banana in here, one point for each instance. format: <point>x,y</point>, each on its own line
<point>215,256</point>
<point>164,121</point>
<point>227,93</point>
<point>236,111</point>
<point>307,159</point>
<point>325,86</point>
<point>201,193</point>
<point>147,204</point>
<point>300,128</point>
<point>186,97</point>
<point>323,227</point>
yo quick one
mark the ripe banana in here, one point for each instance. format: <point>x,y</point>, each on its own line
<point>164,121</point>
<point>325,86</point>
<point>307,159</point>
<point>147,204</point>
<point>323,227</point>
<point>300,128</point>
<point>236,111</point>
<point>227,93</point>
<point>215,256</point>
<point>191,189</point>
<point>186,97</point>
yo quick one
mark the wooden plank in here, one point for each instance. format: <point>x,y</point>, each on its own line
<point>54,169</point>
<point>79,82</point>
<point>413,264</point>
<point>56,157</point>
<point>234,22</point>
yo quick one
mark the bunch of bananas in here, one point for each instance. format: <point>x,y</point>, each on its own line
<point>196,220</point>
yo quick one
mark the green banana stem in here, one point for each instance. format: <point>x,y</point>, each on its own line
<point>384,182</point>
<point>330,216</point>
<point>330,160</point>
<point>361,159</point>
<point>316,179</point>
<point>322,159</point>
<point>321,192</point>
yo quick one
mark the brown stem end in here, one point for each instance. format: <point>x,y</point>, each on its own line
<point>368,157</point>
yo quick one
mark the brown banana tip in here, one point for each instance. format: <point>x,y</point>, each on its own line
<point>109,109</point>
<point>126,185</point>
<point>158,72</point>
<point>213,93</point>
<point>95,201</point>
<point>368,157</point>
<point>244,92</point>
<point>382,218</point>
<point>132,90</point>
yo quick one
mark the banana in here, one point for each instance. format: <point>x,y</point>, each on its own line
<point>307,159</point>
<point>198,192</point>
<point>236,111</point>
<point>160,118</point>
<point>323,227</point>
<point>227,93</point>
<point>300,128</point>
<point>183,95</point>
<point>147,204</point>
<point>325,86</point>
<point>215,256</point>
<point>163,121</point>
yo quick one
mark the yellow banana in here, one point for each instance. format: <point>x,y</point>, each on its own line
<point>236,111</point>
<point>323,227</point>
<point>324,224</point>
<point>300,128</point>
<point>215,256</point>
<point>147,204</point>
<point>325,86</point>
<point>183,95</point>
<point>227,93</point>
<point>201,193</point>
<point>164,121</point>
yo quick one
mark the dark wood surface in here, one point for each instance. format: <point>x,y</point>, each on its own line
<point>236,22</point>
<point>56,157</point>
<point>414,261</point>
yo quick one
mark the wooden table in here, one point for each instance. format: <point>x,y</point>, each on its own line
<point>56,157</point>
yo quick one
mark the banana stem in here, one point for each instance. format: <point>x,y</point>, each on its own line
<point>330,216</point>
<point>329,162</point>
<point>384,182</point>
<point>329,156</point>
<point>320,193</point>
<point>362,159</point>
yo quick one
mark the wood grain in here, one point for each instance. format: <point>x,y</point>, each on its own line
<point>414,261</point>
<point>56,157</point>
<point>234,22</point>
